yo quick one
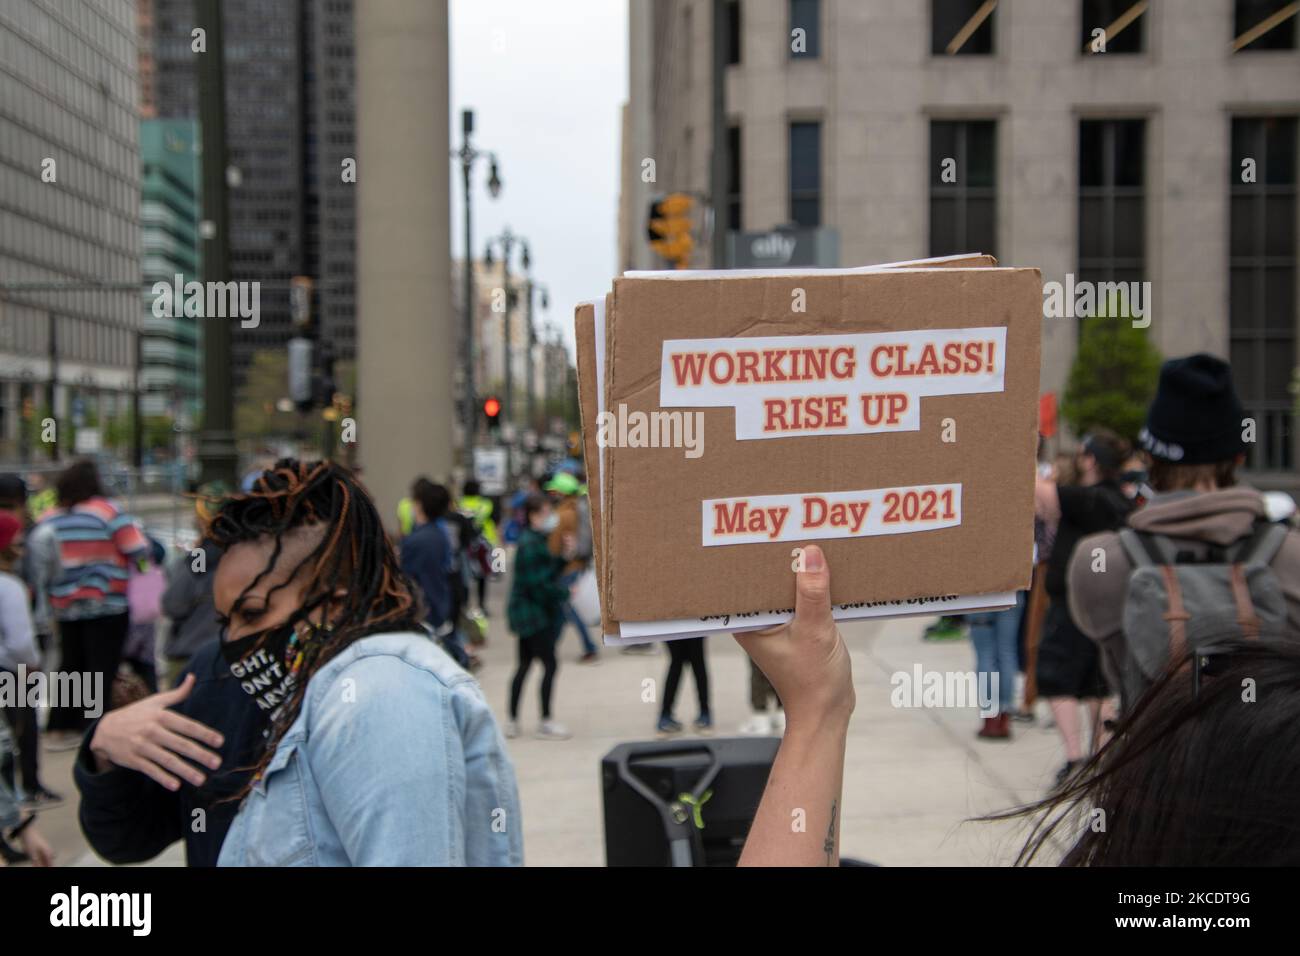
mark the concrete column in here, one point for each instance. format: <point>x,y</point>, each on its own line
<point>405,336</point>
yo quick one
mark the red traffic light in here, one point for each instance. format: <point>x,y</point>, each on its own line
<point>491,408</point>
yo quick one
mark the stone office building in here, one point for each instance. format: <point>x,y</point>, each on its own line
<point>1128,164</point>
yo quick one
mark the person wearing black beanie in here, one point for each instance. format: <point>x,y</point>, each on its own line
<point>1196,434</point>
<point>1195,420</point>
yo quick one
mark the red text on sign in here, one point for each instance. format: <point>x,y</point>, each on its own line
<point>800,414</point>
<point>885,408</point>
<point>912,506</point>
<point>949,358</point>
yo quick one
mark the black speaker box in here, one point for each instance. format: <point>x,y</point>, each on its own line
<point>658,793</point>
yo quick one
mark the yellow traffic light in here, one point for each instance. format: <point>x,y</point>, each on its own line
<point>669,228</point>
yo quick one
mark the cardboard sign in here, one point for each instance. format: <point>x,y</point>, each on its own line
<point>869,360</point>
<point>614,632</point>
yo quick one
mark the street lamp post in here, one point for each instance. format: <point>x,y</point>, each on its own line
<point>217,452</point>
<point>532,287</point>
<point>467,155</point>
<point>506,240</point>
<point>548,372</point>
<point>53,388</point>
<point>8,289</point>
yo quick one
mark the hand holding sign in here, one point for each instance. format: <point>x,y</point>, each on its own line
<point>806,659</point>
<point>809,667</point>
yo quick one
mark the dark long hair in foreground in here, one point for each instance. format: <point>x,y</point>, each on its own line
<point>1191,778</point>
<point>352,571</point>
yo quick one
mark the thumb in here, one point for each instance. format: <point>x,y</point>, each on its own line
<point>179,692</point>
<point>812,603</point>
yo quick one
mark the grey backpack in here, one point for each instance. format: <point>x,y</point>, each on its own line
<point>1183,599</point>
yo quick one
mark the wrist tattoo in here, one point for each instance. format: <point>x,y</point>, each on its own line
<point>829,845</point>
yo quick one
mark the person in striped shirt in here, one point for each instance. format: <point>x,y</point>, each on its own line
<point>83,555</point>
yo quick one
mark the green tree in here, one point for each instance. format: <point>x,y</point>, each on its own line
<point>257,415</point>
<point>158,432</point>
<point>119,432</point>
<point>1113,377</point>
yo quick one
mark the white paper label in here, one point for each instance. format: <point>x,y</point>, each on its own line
<point>758,519</point>
<point>791,385</point>
<point>635,632</point>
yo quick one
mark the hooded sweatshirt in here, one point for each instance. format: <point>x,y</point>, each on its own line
<point>1196,521</point>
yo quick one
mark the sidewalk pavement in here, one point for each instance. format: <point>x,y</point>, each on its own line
<point>913,777</point>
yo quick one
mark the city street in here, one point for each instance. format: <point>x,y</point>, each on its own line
<point>912,776</point>
<point>335,333</point>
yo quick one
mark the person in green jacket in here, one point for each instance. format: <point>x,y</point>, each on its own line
<point>536,611</point>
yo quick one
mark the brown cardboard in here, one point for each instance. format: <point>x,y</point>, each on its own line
<point>606,572</point>
<point>584,337</point>
<point>655,564</point>
<point>584,334</point>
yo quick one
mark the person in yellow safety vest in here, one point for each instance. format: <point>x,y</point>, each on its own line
<point>480,508</point>
<point>405,516</point>
<point>41,499</point>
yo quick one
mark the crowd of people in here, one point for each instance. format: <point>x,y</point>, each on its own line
<point>67,562</point>
<point>304,645</point>
<point>287,732</point>
<point>1157,567</point>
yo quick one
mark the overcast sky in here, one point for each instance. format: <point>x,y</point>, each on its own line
<point>546,81</point>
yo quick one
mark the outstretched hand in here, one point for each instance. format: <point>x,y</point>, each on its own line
<point>158,742</point>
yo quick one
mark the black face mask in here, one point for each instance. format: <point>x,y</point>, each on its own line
<point>265,662</point>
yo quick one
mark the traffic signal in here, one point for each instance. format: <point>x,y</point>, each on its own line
<point>300,290</point>
<point>300,372</point>
<point>669,228</point>
<point>492,412</point>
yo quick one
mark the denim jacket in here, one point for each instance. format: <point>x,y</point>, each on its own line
<point>394,759</point>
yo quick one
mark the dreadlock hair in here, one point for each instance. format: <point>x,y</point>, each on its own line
<point>353,570</point>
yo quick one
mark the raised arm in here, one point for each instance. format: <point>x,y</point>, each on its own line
<point>798,820</point>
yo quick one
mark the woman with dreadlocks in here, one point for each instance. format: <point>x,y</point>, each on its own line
<point>380,750</point>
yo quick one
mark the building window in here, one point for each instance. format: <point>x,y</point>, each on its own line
<point>1264,25</point>
<point>734,218</point>
<point>732,27</point>
<point>1120,21</point>
<point>806,174</point>
<point>1112,199</point>
<point>1262,255</point>
<point>962,27</point>
<point>963,187</point>
<point>805,15</point>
